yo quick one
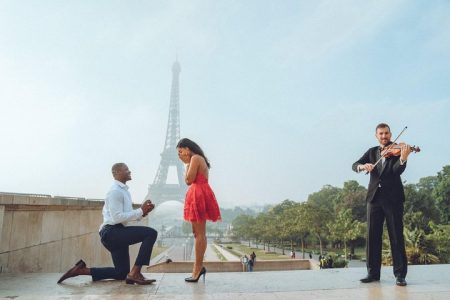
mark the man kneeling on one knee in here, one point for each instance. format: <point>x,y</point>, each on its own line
<point>116,236</point>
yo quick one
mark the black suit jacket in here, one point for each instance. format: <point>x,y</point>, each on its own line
<point>388,178</point>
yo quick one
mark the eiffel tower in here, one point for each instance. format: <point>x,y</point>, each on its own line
<point>161,191</point>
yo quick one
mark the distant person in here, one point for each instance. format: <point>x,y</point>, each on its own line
<point>320,261</point>
<point>250,264</point>
<point>253,257</point>
<point>323,263</point>
<point>200,204</point>
<point>385,197</point>
<point>244,261</point>
<point>330,262</point>
<point>116,235</point>
<point>310,255</point>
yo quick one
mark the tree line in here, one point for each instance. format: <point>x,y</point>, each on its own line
<point>336,217</point>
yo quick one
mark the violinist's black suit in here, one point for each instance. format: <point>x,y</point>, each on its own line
<point>385,197</point>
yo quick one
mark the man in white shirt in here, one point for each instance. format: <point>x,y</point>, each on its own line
<point>116,236</point>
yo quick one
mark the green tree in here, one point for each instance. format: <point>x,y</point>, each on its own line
<point>243,226</point>
<point>353,196</point>
<point>440,237</point>
<point>441,193</point>
<point>282,222</point>
<point>326,198</point>
<point>417,249</point>
<point>299,227</point>
<point>344,228</point>
<point>316,218</point>
<point>420,205</point>
<point>263,228</point>
<point>416,220</point>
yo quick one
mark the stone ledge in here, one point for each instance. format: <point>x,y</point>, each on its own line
<point>37,199</point>
<point>33,207</point>
<point>232,266</point>
<point>47,200</point>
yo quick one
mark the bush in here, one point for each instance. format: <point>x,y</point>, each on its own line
<point>332,254</point>
<point>229,247</point>
<point>354,256</point>
<point>340,264</point>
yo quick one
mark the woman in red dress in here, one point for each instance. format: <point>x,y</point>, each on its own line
<point>200,203</point>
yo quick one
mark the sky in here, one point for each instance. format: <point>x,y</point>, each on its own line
<point>283,96</point>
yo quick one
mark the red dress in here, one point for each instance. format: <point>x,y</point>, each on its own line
<point>200,203</point>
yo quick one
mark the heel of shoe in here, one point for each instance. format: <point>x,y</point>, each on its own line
<point>128,281</point>
<point>80,262</point>
<point>203,272</point>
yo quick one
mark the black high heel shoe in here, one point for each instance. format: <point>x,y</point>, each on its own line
<point>192,279</point>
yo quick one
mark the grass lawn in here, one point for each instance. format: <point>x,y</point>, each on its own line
<point>240,250</point>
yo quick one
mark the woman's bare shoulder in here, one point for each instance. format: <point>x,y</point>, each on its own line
<point>197,158</point>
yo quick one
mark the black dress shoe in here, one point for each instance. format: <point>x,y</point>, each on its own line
<point>369,278</point>
<point>400,281</point>
<point>73,271</point>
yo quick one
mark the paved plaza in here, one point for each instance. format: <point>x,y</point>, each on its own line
<point>424,282</point>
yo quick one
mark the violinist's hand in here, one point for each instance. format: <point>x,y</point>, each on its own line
<point>405,151</point>
<point>366,167</point>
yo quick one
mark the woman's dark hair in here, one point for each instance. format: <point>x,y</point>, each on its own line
<point>191,145</point>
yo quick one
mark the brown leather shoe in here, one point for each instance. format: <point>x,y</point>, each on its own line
<point>73,271</point>
<point>141,280</point>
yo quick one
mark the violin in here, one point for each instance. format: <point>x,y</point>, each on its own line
<point>395,150</point>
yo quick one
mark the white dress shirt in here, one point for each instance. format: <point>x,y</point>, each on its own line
<point>118,207</point>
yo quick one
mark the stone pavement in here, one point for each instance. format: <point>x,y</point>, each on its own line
<point>424,283</point>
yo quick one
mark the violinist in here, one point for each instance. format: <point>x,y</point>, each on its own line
<point>385,197</point>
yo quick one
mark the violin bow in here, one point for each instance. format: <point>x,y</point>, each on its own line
<point>389,147</point>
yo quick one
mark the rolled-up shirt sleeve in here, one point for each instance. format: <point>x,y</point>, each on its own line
<point>118,212</point>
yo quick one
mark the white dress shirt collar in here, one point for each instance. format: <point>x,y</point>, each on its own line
<point>121,184</point>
